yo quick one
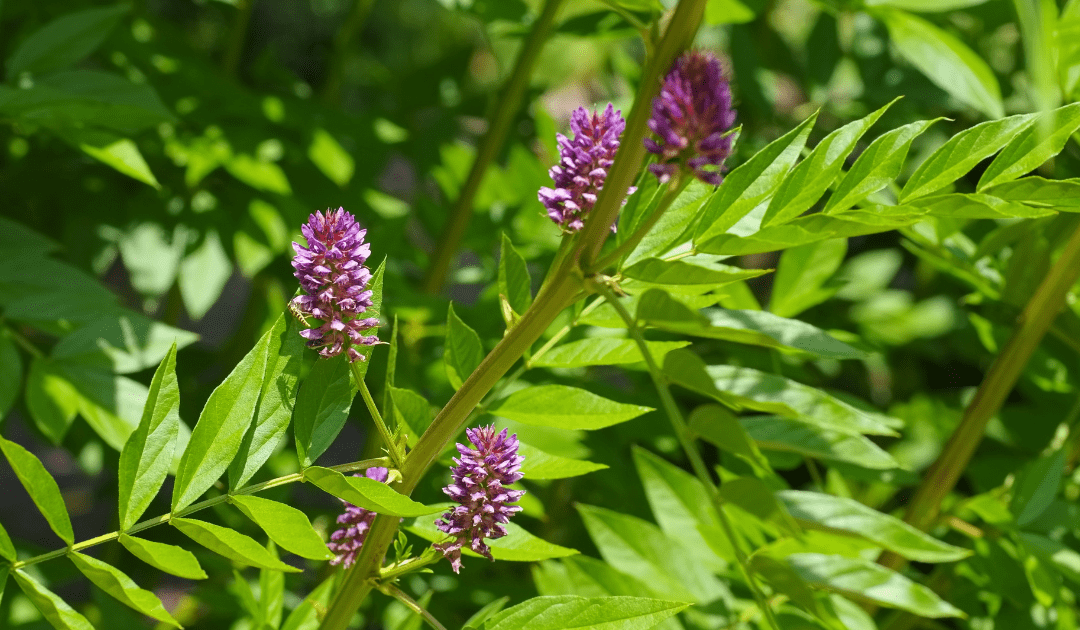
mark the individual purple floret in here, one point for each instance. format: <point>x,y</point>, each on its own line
<point>332,273</point>
<point>583,166</point>
<point>479,483</point>
<point>345,543</point>
<point>690,117</point>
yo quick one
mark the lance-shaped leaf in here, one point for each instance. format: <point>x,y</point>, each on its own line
<point>64,41</point>
<point>603,351</point>
<point>567,612</point>
<point>564,407</point>
<point>322,406</point>
<point>541,465</point>
<point>961,153</point>
<point>867,581</point>
<point>11,376</point>
<point>877,166</point>
<point>1033,146</point>
<point>812,177</point>
<point>221,427</point>
<point>789,436</point>
<point>717,425</point>
<point>284,356</point>
<point>148,453</point>
<point>700,271</point>
<point>802,275</point>
<point>976,206</point>
<point>122,342</point>
<point>1061,195</point>
<point>514,280</point>
<point>285,525</point>
<point>752,182</point>
<point>55,610</point>
<point>1037,486</point>
<point>463,351</point>
<point>518,545</point>
<point>230,544</point>
<point>41,487</point>
<point>306,616</point>
<point>114,582</point>
<point>366,493</point>
<point>168,558</point>
<point>817,510</point>
<point>675,225</point>
<point>7,550</point>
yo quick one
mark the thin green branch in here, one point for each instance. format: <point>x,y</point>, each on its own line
<point>686,439</point>
<point>412,604</point>
<point>500,119</point>
<point>231,61</point>
<point>343,40</point>
<point>25,343</point>
<point>673,191</point>
<point>191,509</point>
<point>376,417</point>
<point>1031,326</point>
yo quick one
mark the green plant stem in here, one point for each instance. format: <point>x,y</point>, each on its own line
<point>500,118</point>
<point>565,286</point>
<point>1031,326</point>
<point>231,61</point>
<point>686,439</point>
<point>412,605</point>
<point>25,343</point>
<point>630,243</point>
<point>376,417</point>
<point>343,39</point>
<point>191,509</point>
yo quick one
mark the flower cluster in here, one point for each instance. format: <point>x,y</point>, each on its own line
<point>480,477</point>
<point>583,166</point>
<point>691,118</point>
<point>332,273</point>
<point>345,543</point>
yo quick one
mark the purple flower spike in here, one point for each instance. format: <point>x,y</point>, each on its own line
<point>355,523</point>
<point>690,118</point>
<point>332,273</point>
<point>583,166</point>
<point>479,483</point>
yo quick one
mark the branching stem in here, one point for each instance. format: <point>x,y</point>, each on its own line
<point>391,445</point>
<point>412,604</point>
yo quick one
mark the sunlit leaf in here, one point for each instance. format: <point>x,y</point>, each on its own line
<point>230,544</point>
<point>366,493</point>
<point>603,351</point>
<point>517,545</point>
<point>117,584</point>
<point>285,525</point>
<point>564,407</point>
<point>41,487</point>
<point>168,558</point>
<point>567,612</point>
<point>55,610</point>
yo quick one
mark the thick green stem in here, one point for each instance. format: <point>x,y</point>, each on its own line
<point>1031,326</point>
<point>376,417</point>
<point>500,119</point>
<point>191,509</point>
<point>686,439</point>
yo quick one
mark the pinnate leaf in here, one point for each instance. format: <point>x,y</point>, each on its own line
<point>64,41</point>
<point>230,544</point>
<point>285,525</point>
<point>41,487</point>
<point>603,351</point>
<point>55,610</point>
<point>567,612</point>
<point>565,407</point>
<point>117,584</point>
<point>463,351</point>
<point>366,493</point>
<point>541,465</point>
<point>168,558</point>
<point>322,406</point>
<point>514,280</point>
<point>518,545</point>
<point>789,436</point>
<point>1033,146</point>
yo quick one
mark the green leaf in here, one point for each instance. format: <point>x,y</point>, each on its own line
<point>926,6</point>
<point>754,181</point>
<point>517,545</point>
<point>759,328</point>
<point>148,453</point>
<point>679,502</point>
<point>1061,195</point>
<point>111,404</point>
<point>683,272</point>
<point>788,436</point>
<point>322,406</point>
<point>1033,146</point>
<point>489,610</point>
<point>122,342</point>
<point>761,391</point>
<point>603,351</point>
<point>168,558</point>
<point>463,351</point>
<point>823,511</point>
<point>221,427</point>
<point>64,41</point>
<point>11,375</point>
<point>812,177</point>
<point>55,610</point>
<point>639,548</point>
<point>564,407</point>
<point>961,153</point>
<point>1063,558</point>
<point>258,174</point>
<point>567,612</point>
<point>41,487</point>
<point>366,493</point>
<point>675,226</point>
<point>801,275</point>
<point>514,279</point>
<point>230,544</point>
<point>976,206</point>
<point>727,12</point>
<point>271,596</point>
<point>720,427</point>
<point>412,413</point>
<point>114,582</point>
<point>946,61</point>
<point>1037,487</point>
<point>877,166</point>
<point>203,274</point>
<point>541,465</point>
<point>306,616</point>
<point>284,358</point>
<point>122,154</point>
<point>864,580</point>
<point>53,402</point>
<point>331,158</point>
<point>285,525</point>
<point>754,497</point>
<point>7,550</point>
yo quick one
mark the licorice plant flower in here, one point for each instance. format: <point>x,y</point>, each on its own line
<point>583,166</point>
<point>480,477</point>
<point>691,118</point>
<point>332,274</point>
<point>346,542</point>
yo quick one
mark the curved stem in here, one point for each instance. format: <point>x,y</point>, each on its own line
<point>191,509</point>
<point>376,417</point>
<point>686,439</point>
<point>500,119</point>
<point>412,604</point>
